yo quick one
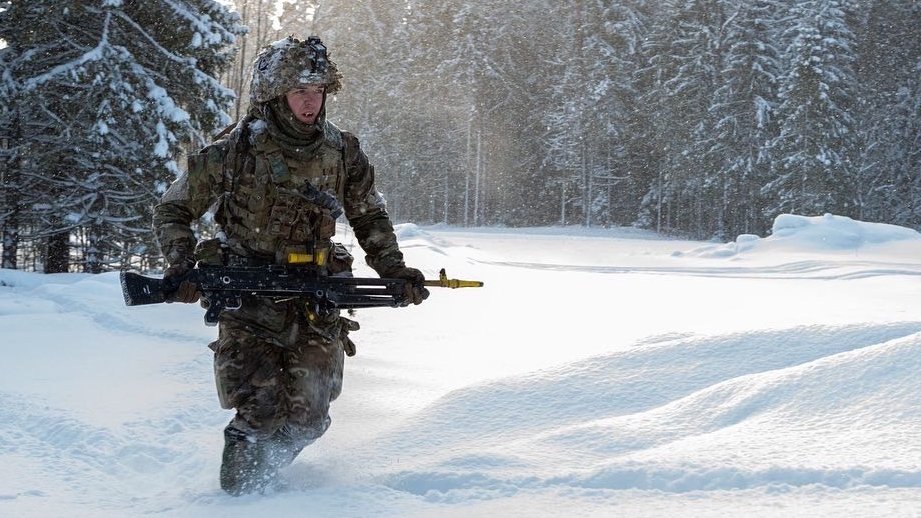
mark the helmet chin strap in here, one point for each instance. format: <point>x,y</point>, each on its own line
<point>322,110</point>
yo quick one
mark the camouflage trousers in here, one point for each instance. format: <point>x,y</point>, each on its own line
<point>279,370</point>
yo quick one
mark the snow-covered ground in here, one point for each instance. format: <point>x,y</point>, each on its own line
<point>598,373</point>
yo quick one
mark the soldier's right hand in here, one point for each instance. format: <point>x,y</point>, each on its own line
<point>415,291</point>
<point>186,292</point>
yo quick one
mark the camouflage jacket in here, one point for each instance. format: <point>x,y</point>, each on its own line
<point>256,192</point>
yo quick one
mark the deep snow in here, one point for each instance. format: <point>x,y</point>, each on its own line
<point>598,373</point>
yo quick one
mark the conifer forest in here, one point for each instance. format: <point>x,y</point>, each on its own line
<point>699,118</point>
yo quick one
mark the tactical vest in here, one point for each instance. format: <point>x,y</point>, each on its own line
<point>264,213</point>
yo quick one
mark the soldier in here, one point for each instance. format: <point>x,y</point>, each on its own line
<point>279,364</point>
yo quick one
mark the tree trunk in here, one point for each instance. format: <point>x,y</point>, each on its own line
<point>476,181</point>
<point>57,253</point>
<point>92,260</point>
<point>240,78</point>
<point>467,172</point>
<point>9,180</point>
<point>10,240</point>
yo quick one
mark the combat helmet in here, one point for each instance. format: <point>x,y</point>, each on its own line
<point>290,63</point>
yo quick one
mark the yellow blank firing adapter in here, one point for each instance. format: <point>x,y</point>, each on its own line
<point>444,282</point>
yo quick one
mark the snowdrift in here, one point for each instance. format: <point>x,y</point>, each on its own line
<point>769,406</point>
<point>819,234</point>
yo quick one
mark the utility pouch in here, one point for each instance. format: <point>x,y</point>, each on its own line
<point>210,252</point>
<point>326,226</point>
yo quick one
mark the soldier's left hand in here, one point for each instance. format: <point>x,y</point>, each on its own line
<point>415,291</point>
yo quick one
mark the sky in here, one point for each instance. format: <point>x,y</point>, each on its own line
<point>598,372</point>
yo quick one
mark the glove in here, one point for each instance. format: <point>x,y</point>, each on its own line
<point>415,291</point>
<point>187,292</point>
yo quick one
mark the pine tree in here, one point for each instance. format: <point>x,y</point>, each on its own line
<point>452,50</point>
<point>380,103</point>
<point>107,94</point>
<point>813,153</point>
<point>625,175</point>
<point>15,192</point>
<point>742,110</point>
<point>887,66</point>
<point>685,49</point>
<point>567,150</point>
<point>468,63</point>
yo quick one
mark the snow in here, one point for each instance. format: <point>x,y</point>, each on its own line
<point>598,373</point>
<point>162,148</point>
<point>212,33</point>
<point>166,107</point>
<point>97,53</point>
<point>828,234</point>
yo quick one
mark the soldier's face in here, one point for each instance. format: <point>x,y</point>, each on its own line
<point>306,102</point>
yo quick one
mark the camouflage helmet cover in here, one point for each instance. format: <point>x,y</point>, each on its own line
<point>290,63</point>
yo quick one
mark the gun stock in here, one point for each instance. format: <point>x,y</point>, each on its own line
<point>139,290</point>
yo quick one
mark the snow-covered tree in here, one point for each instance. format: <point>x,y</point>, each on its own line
<point>465,35</point>
<point>107,93</point>
<point>576,94</point>
<point>266,21</point>
<point>368,41</point>
<point>622,170</point>
<point>13,190</point>
<point>596,47</point>
<point>889,142</point>
<point>813,153</point>
<point>685,48</point>
<point>742,111</point>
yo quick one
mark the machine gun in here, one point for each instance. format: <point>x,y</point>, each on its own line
<point>224,287</point>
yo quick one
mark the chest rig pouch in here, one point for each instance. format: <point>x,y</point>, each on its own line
<point>267,209</point>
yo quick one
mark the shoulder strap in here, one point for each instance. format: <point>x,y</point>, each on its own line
<point>234,146</point>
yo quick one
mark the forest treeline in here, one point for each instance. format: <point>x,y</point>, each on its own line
<point>704,118</point>
<point>707,118</point>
